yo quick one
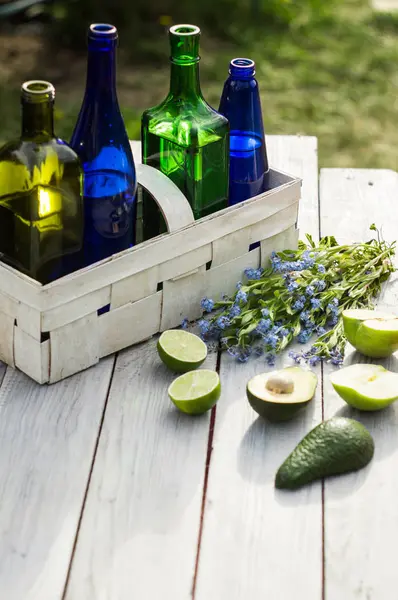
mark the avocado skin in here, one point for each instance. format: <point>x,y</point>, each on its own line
<point>336,446</point>
<point>274,412</point>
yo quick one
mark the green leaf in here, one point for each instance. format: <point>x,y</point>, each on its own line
<point>246,317</point>
<point>248,329</point>
<point>310,240</point>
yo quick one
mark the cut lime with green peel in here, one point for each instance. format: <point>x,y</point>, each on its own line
<point>181,351</point>
<point>195,392</point>
<point>374,333</point>
<point>365,386</point>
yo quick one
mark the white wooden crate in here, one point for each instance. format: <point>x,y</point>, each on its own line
<point>53,331</point>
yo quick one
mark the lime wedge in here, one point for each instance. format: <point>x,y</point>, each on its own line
<point>181,351</point>
<point>195,392</point>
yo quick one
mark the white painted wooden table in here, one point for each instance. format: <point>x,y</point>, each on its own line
<point>108,493</point>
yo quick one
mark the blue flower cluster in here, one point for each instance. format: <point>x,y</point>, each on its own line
<point>310,290</point>
<point>333,308</point>
<point>291,286</point>
<point>319,284</point>
<point>204,327</point>
<point>299,303</point>
<point>310,356</point>
<point>336,357</point>
<point>303,298</point>
<point>207,304</point>
<point>285,266</point>
<point>263,326</point>
<point>241,296</point>
<point>223,322</point>
<point>254,273</point>
<point>234,311</point>
<point>315,303</point>
<point>305,335</point>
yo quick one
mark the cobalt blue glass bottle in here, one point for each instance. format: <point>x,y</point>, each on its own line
<point>100,140</point>
<point>240,103</point>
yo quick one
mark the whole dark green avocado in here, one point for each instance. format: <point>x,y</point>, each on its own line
<point>336,446</point>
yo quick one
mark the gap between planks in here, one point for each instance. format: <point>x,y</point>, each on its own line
<point>206,481</point>
<point>89,479</point>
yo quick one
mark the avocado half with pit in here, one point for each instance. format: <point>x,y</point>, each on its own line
<point>365,386</point>
<point>280,395</point>
<point>374,333</point>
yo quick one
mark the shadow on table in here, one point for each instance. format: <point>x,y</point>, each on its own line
<point>266,445</point>
<point>382,425</point>
<point>342,486</point>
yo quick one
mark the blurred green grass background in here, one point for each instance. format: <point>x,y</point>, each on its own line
<point>324,69</point>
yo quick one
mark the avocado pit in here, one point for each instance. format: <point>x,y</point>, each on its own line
<point>280,383</point>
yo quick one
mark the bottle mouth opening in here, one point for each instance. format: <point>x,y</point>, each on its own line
<point>100,31</point>
<point>242,67</point>
<point>38,91</point>
<point>243,63</point>
<point>184,30</point>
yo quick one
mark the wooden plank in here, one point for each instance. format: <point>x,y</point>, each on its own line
<point>75,309</point>
<point>20,286</point>
<point>47,440</point>
<point>187,261</point>
<point>286,240</point>
<point>74,347</point>
<point>31,356</point>
<point>298,155</point>
<point>276,224</point>
<point>222,280</point>
<point>126,325</point>
<point>181,298</point>
<point>385,5</point>
<point>361,528</point>
<point>139,532</point>
<point>258,542</point>
<point>134,288</point>
<point>27,318</point>
<point>7,339</point>
<point>230,246</point>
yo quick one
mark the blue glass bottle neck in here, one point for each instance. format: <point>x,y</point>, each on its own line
<point>101,68</point>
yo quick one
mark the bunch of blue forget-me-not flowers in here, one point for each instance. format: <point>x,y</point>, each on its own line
<point>300,296</point>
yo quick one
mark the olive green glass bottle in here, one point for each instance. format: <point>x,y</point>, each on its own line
<point>41,212</point>
<point>185,138</point>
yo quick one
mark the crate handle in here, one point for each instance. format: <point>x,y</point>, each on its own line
<point>174,206</point>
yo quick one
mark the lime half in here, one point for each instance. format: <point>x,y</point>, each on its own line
<point>181,351</point>
<point>195,392</point>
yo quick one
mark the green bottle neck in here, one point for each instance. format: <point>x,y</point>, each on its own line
<point>38,120</point>
<point>184,81</point>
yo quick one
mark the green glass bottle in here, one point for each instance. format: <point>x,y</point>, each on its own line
<point>41,211</point>
<point>185,138</point>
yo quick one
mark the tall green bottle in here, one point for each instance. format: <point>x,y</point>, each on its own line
<point>185,138</point>
<point>41,210</point>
